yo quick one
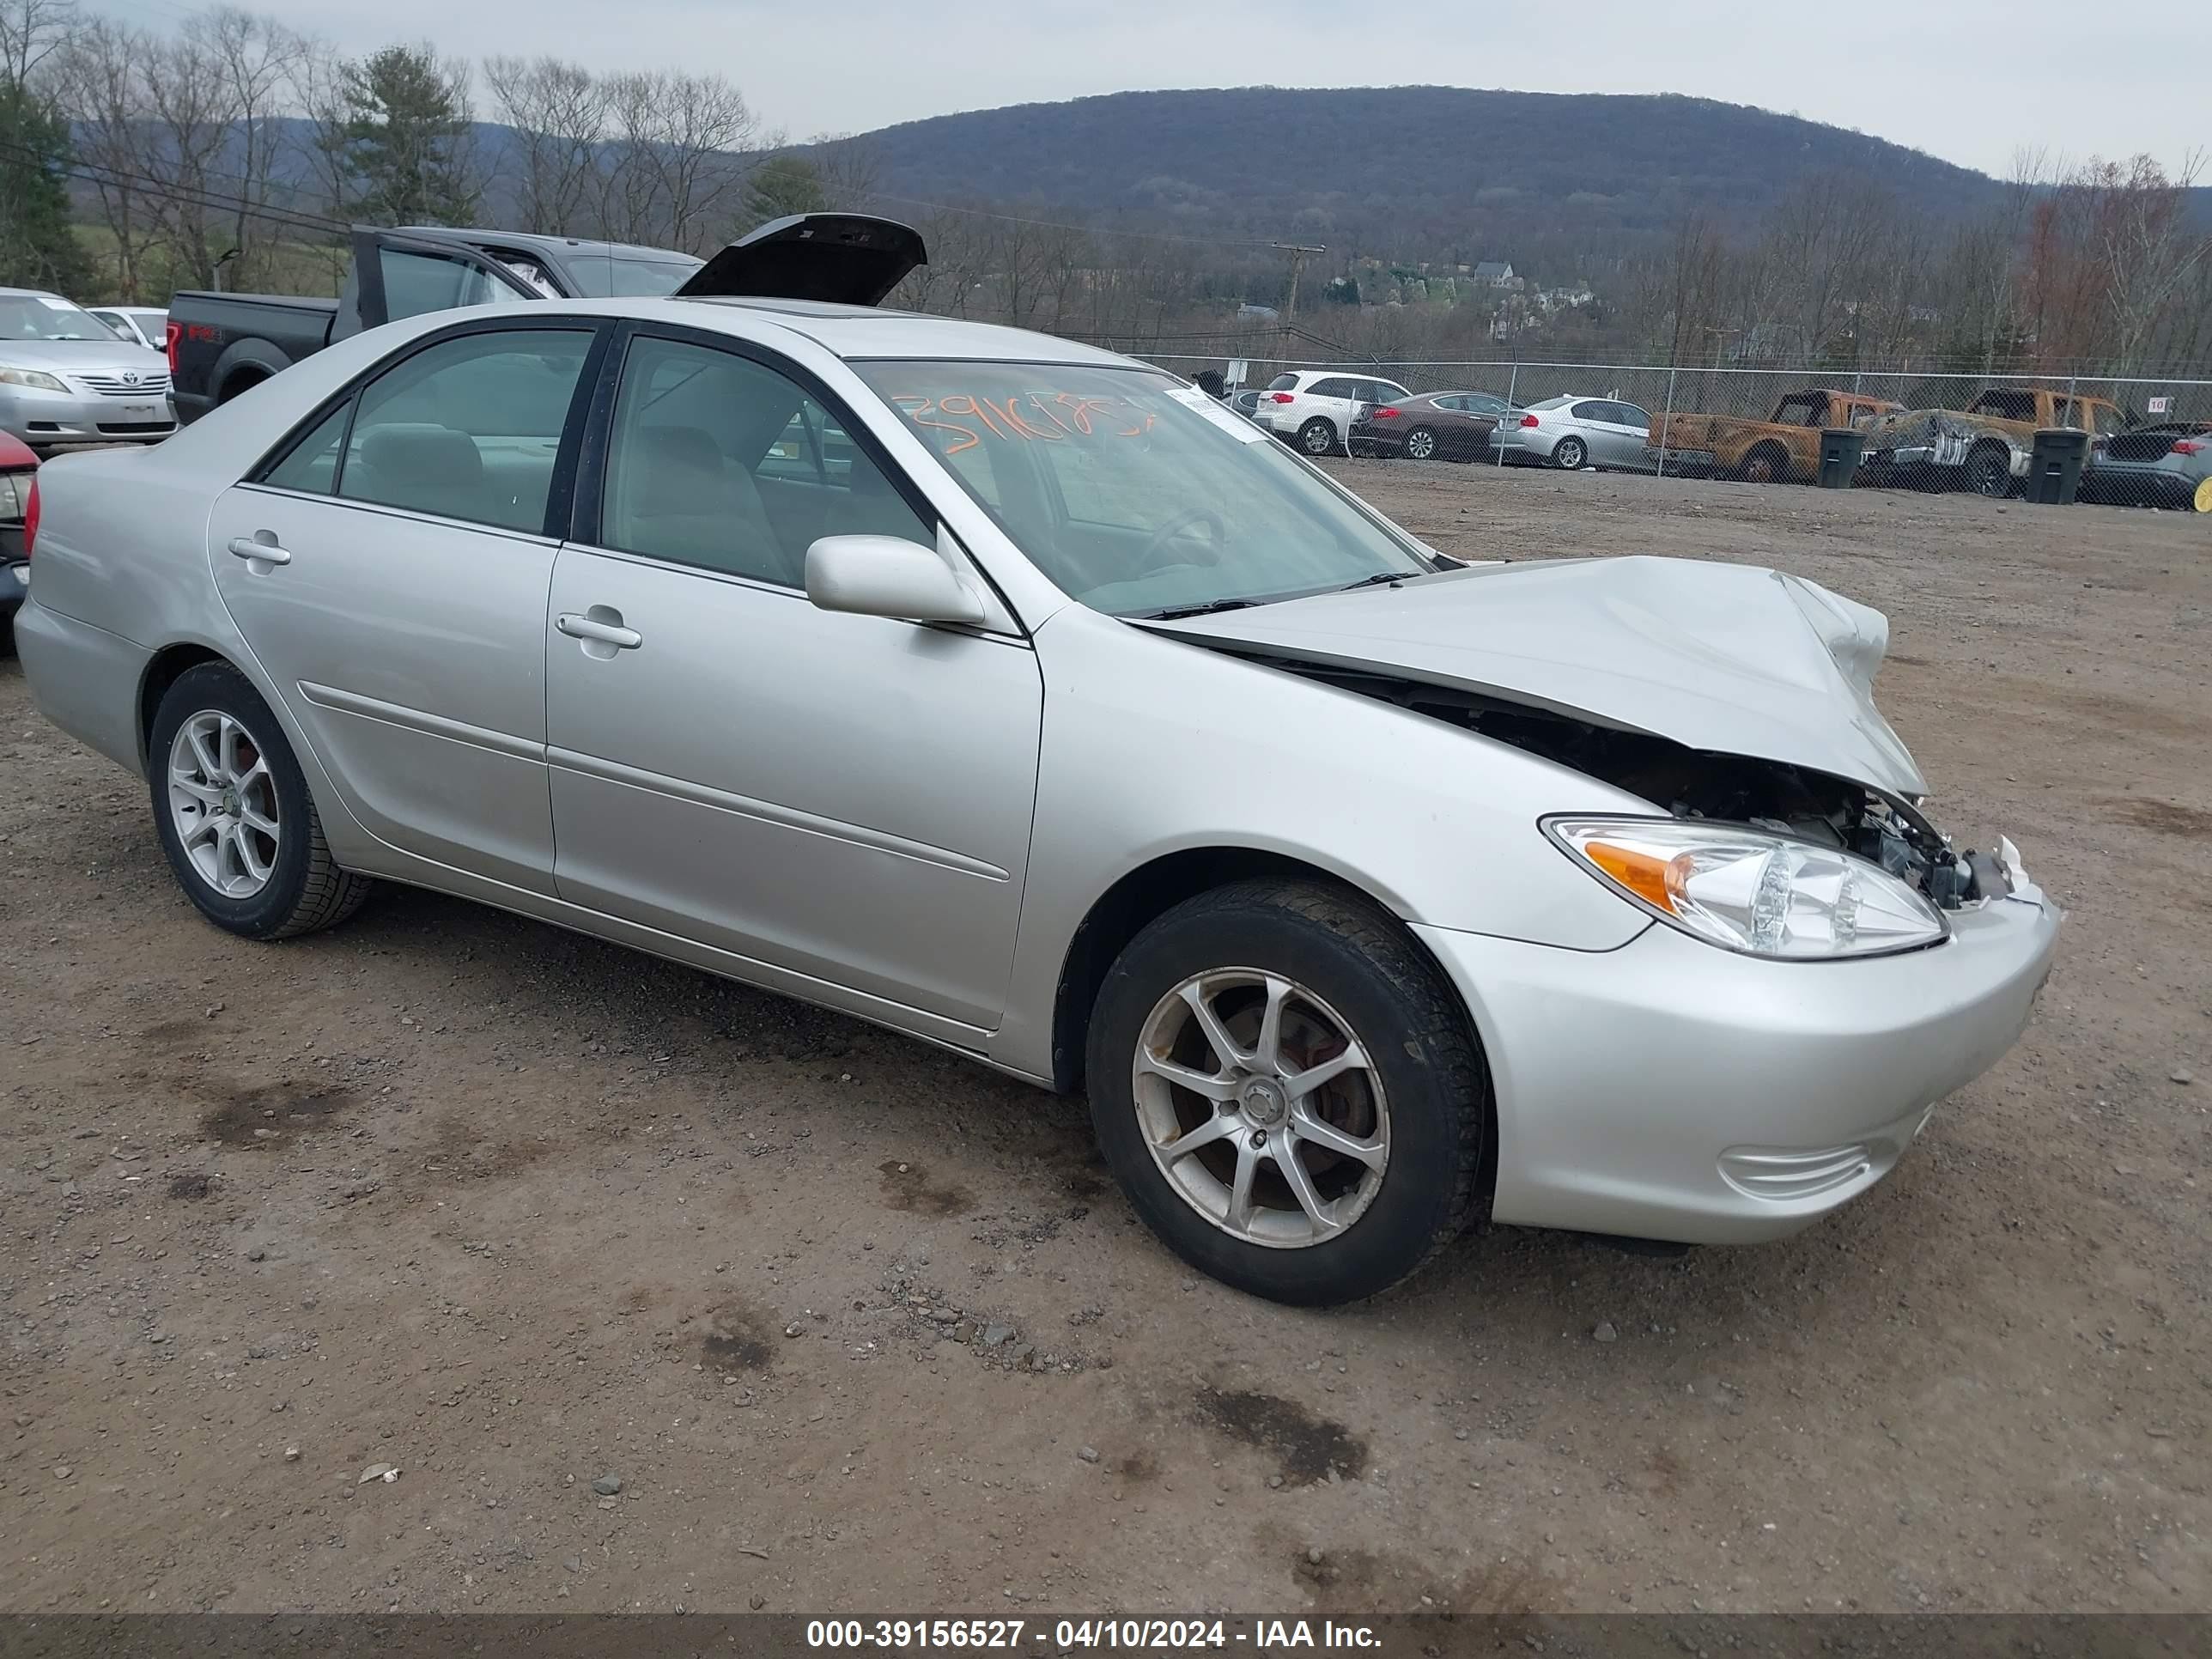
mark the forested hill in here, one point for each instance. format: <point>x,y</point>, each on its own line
<point>1415,162</point>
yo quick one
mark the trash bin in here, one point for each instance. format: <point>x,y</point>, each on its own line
<point>2054,473</point>
<point>1840,449</point>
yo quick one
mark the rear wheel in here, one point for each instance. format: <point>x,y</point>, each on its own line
<point>1989,470</point>
<point>1317,437</point>
<point>2202,500</point>
<point>1571,455</point>
<point>1421,444</point>
<point>232,811</point>
<point>1288,1092</point>
<point>1766,464</point>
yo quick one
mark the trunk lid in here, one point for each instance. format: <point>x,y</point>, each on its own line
<point>840,258</point>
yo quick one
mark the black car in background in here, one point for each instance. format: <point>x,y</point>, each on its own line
<point>1433,426</point>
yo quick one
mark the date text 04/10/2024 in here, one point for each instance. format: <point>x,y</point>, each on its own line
<point>1077,1635</point>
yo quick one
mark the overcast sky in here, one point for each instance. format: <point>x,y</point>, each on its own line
<point>1967,80</point>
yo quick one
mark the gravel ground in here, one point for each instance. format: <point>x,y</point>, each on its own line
<point>656,1292</point>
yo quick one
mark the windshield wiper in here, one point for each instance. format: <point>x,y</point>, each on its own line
<point>1393,577</point>
<point>1205,610</point>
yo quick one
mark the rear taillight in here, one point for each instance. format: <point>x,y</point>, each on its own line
<point>1384,414</point>
<point>1283,396</point>
<point>1528,420</point>
<point>2185,447</point>
<point>170,336</point>
<point>31,520</point>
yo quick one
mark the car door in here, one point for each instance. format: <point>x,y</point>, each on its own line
<point>396,275</point>
<point>388,568</point>
<point>844,798</point>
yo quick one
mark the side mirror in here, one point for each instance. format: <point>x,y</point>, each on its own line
<point>885,576</point>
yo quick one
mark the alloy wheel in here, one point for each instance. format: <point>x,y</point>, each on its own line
<point>222,804</point>
<point>1421,443</point>
<point>1261,1106</point>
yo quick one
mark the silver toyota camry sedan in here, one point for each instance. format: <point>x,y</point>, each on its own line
<point>1015,696</point>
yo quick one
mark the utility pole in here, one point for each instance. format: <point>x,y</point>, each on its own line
<point>1298,265</point>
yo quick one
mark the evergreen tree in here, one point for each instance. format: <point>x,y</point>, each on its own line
<point>785,185</point>
<point>38,248</point>
<point>407,139</point>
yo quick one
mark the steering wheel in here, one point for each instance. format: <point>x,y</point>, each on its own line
<point>1149,558</point>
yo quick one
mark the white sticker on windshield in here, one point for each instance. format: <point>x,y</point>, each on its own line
<point>52,304</point>
<point>1228,419</point>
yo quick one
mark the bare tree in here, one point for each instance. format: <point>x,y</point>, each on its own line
<point>559,114</point>
<point>102,84</point>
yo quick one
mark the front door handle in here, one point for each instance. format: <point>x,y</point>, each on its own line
<point>252,547</point>
<point>578,626</point>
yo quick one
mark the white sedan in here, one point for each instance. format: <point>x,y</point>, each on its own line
<point>1017,696</point>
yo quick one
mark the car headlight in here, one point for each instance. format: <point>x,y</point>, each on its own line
<point>1747,890</point>
<point>31,378</point>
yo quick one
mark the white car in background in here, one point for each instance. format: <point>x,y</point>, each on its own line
<point>1315,407</point>
<point>1572,433</point>
<point>145,326</point>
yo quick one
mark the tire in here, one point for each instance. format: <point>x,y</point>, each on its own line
<point>213,789</point>
<point>1317,437</point>
<point>1421,444</point>
<point>1988,471</point>
<point>1571,455</point>
<point>1418,1111</point>
<point>1766,464</point>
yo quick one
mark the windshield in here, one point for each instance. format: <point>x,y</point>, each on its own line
<point>43,317</point>
<point>1136,494</point>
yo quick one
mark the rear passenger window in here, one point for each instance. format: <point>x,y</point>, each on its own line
<point>698,433</point>
<point>468,428</point>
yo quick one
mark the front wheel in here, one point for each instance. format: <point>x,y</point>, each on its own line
<point>233,815</point>
<point>1289,1092</point>
<point>1571,455</point>
<point>1317,437</point>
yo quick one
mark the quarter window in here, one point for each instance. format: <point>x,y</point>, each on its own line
<point>468,428</point>
<point>312,466</point>
<point>718,461</point>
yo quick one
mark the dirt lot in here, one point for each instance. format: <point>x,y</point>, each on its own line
<point>859,1327</point>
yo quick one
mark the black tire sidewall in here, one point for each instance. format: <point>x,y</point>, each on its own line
<point>1418,432</point>
<point>1399,1228</point>
<point>1305,439</point>
<point>1580,450</point>
<point>219,689</point>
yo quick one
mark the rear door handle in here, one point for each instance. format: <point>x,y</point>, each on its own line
<point>268,552</point>
<point>577,627</point>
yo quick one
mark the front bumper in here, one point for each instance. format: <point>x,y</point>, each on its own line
<point>1680,460</point>
<point>1672,1090</point>
<point>41,418</point>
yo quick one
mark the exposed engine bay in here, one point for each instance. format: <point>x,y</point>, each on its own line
<point>1691,783</point>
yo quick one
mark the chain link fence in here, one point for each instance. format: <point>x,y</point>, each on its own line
<point>1762,423</point>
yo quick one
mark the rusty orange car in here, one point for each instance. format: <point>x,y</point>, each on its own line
<point>1786,445</point>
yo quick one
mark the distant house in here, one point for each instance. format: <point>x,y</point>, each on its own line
<point>1494,273</point>
<point>1257,314</point>
<point>1562,299</point>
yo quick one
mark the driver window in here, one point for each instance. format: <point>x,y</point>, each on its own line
<point>416,282</point>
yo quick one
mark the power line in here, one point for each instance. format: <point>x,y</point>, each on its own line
<point>188,195</point>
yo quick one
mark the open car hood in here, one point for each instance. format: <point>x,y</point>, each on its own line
<point>1729,659</point>
<point>843,259</point>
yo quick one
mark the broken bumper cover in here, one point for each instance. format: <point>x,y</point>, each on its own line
<point>1671,1089</point>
